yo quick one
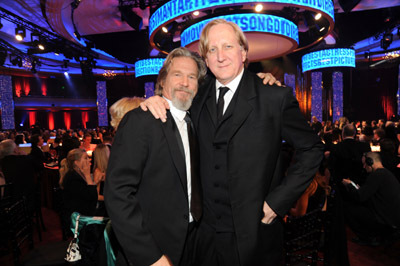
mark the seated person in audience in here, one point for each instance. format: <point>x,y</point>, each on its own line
<point>376,204</point>
<point>379,134</point>
<point>101,155</point>
<point>55,148</point>
<point>20,139</point>
<point>86,143</point>
<point>68,143</point>
<point>389,157</point>
<point>346,157</point>
<point>315,195</point>
<point>108,140</point>
<point>79,190</point>
<point>18,170</point>
<point>121,107</point>
<point>37,153</point>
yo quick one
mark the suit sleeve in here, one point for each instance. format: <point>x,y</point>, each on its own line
<point>308,155</point>
<point>124,173</point>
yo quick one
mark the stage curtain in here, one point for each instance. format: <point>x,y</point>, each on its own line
<point>32,118</point>
<point>85,118</point>
<point>26,86</point>
<point>67,120</point>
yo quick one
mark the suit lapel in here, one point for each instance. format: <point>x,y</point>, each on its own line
<point>211,103</point>
<point>246,92</point>
<point>205,97</point>
<point>175,145</point>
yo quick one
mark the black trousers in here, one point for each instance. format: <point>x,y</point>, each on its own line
<point>215,248</point>
<point>187,258</point>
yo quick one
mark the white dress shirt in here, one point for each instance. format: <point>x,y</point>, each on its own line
<point>233,85</point>
<point>179,116</point>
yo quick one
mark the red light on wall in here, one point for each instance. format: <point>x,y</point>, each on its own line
<point>67,120</point>
<point>51,120</point>
<point>44,88</point>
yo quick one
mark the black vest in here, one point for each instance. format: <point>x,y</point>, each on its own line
<point>217,211</point>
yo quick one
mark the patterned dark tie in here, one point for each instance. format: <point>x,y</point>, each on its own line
<point>221,102</point>
<point>195,202</point>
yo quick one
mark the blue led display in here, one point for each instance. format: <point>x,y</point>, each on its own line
<point>290,81</point>
<point>339,57</point>
<point>102,103</point>
<point>7,103</point>
<point>337,84</point>
<point>177,8</point>
<point>248,23</point>
<point>316,95</point>
<point>398,93</point>
<point>148,89</point>
<point>147,67</point>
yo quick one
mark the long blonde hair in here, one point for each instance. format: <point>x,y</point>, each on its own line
<point>101,155</point>
<point>68,164</point>
<point>121,107</point>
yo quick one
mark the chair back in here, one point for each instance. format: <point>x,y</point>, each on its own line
<point>6,191</point>
<point>15,226</point>
<point>303,237</point>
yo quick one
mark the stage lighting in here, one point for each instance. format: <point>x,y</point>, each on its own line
<point>16,60</point>
<point>65,64</point>
<point>20,33</point>
<point>37,41</point>
<point>3,56</point>
<point>386,40</point>
<point>75,4</point>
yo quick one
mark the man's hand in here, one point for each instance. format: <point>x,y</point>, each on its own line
<point>346,181</point>
<point>163,261</point>
<point>269,214</point>
<point>268,78</point>
<point>157,106</point>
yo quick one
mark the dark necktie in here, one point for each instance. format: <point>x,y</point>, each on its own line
<point>221,102</point>
<point>195,202</point>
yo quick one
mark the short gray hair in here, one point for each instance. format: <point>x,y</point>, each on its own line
<point>7,147</point>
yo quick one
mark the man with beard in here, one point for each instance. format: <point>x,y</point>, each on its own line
<point>152,192</point>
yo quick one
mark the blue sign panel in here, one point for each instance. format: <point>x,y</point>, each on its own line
<point>248,23</point>
<point>148,67</point>
<point>340,57</point>
<point>176,8</point>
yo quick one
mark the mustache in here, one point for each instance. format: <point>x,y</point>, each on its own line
<point>184,89</point>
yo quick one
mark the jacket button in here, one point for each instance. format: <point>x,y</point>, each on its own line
<point>185,216</point>
<point>216,167</point>
<point>216,185</point>
<point>216,201</point>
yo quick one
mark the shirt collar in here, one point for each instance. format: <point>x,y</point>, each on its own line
<point>178,114</point>
<point>233,85</point>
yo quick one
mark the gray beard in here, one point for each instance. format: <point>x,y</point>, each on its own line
<point>181,104</point>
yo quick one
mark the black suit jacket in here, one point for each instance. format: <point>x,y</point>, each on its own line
<point>19,170</point>
<point>346,160</point>
<point>263,116</point>
<point>146,191</point>
<point>38,158</point>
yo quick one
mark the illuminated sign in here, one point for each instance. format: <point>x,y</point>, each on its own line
<point>148,66</point>
<point>339,57</point>
<point>176,8</point>
<point>248,23</point>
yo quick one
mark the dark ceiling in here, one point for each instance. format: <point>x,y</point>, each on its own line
<point>350,28</point>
